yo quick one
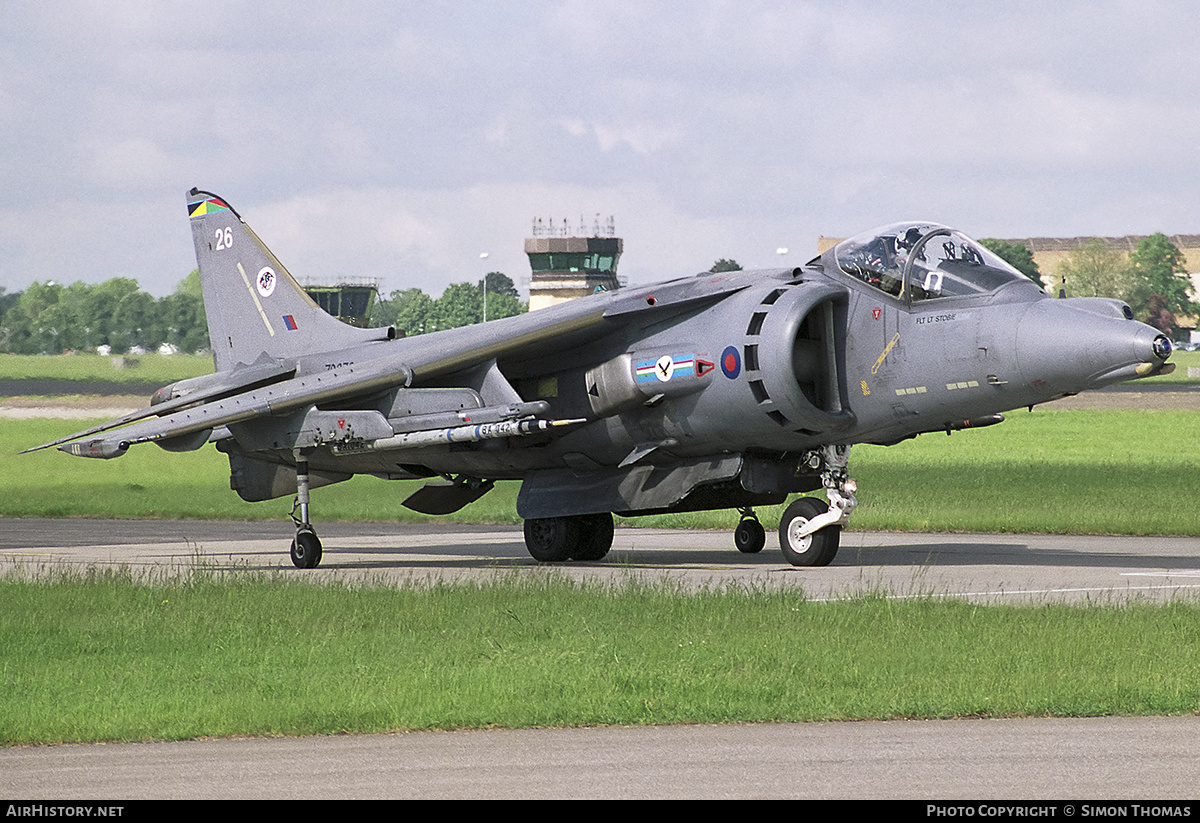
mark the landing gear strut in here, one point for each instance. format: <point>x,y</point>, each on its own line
<point>306,547</point>
<point>580,537</point>
<point>810,530</point>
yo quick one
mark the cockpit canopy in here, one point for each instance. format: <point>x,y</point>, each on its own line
<point>923,261</point>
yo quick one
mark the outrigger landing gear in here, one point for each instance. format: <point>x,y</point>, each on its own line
<point>749,536</point>
<point>306,547</point>
<point>810,530</point>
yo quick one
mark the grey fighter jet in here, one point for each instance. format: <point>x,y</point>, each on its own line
<point>729,390</point>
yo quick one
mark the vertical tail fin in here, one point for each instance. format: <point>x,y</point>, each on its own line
<point>254,305</point>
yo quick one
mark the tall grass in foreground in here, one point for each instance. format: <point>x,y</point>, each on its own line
<point>105,658</point>
<point>1082,472</point>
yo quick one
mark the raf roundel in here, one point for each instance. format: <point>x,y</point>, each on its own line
<point>731,363</point>
<point>266,281</point>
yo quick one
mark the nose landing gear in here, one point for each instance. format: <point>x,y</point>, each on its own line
<point>810,530</point>
<point>801,546</point>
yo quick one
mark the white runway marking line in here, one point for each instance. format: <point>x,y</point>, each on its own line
<point>1022,592</point>
<point>1187,573</point>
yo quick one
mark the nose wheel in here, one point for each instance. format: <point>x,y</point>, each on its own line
<point>811,529</point>
<point>802,547</point>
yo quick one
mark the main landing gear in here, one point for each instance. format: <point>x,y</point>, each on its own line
<point>306,546</point>
<point>580,537</point>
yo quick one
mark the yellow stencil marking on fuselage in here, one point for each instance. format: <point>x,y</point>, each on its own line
<point>886,351</point>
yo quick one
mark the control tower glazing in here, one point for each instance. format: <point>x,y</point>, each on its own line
<point>567,265</point>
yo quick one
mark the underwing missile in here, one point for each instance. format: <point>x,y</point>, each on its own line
<point>456,434</point>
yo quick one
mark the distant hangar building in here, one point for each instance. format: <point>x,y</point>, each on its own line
<point>571,262</point>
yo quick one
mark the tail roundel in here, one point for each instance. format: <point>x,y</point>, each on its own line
<point>254,306</point>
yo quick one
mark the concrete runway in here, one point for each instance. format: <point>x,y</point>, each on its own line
<point>1125,758</point>
<point>984,568</point>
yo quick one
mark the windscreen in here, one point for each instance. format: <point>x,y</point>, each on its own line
<point>927,259</point>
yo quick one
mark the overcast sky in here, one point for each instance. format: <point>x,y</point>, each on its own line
<point>399,140</point>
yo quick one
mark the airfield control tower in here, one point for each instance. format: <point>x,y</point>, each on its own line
<point>571,261</point>
<point>349,299</point>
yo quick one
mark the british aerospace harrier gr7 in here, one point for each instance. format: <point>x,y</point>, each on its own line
<point>729,390</point>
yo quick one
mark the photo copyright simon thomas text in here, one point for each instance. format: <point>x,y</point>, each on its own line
<point>1060,810</point>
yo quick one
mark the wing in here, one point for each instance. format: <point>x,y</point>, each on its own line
<point>290,376</point>
<point>190,428</point>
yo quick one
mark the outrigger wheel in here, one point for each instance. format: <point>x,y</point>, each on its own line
<point>306,546</point>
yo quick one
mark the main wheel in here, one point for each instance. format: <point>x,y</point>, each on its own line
<point>551,539</point>
<point>750,537</point>
<point>595,536</point>
<point>816,549</point>
<point>306,549</point>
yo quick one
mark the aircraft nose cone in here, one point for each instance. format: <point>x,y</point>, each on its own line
<point>1078,344</point>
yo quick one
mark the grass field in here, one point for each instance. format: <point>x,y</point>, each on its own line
<point>87,368</point>
<point>111,658</point>
<point>1081,472</point>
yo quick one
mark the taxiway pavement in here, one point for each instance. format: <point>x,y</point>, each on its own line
<point>985,568</point>
<point>1125,758</point>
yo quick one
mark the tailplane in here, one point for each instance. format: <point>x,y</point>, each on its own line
<point>254,305</point>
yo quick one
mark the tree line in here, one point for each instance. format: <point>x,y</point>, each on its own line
<point>1152,279</point>
<point>461,304</point>
<point>50,318</point>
